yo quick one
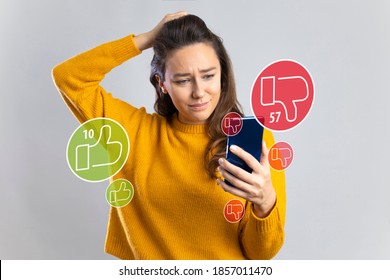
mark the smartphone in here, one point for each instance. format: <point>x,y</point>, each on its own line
<point>249,138</point>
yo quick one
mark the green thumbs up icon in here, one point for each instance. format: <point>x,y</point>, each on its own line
<point>119,193</point>
<point>98,149</point>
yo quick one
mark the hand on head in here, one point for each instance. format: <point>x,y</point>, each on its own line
<point>145,40</point>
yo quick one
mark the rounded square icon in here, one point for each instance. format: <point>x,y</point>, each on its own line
<point>283,94</point>
<point>97,149</point>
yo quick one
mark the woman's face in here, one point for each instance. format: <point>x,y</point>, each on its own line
<point>193,81</point>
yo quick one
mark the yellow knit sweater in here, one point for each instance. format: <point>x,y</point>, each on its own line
<point>177,209</point>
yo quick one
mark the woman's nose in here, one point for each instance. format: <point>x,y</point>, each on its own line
<point>197,90</point>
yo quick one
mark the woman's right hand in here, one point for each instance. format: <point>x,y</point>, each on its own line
<point>145,40</point>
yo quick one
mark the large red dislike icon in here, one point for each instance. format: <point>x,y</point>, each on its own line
<point>282,95</point>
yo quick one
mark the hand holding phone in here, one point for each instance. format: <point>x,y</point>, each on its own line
<point>255,185</point>
<point>249,138</point>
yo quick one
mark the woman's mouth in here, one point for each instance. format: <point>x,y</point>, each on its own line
<point>199,106</point>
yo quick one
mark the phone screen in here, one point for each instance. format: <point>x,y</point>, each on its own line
<point>249,138</point>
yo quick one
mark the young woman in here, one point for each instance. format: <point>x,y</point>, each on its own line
<point>176,163</point>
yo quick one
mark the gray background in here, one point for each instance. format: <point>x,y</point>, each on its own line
<point>337,187</point>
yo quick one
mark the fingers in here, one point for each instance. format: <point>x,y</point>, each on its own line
<point>145,40</point>
<point>239,177</point>
<point>233,190</point>
<point>246,157</point>
<point>235,175</point>
<point>264,155</point>
<point>229,169</point>
<point>167,18</point>
<point>173,16</point>
<point>256,186</point>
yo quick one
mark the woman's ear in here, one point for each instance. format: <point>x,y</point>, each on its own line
<point>161,83</point>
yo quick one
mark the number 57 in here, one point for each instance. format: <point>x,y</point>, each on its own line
<point>274,117</point>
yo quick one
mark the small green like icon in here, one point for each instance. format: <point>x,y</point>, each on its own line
<point>119,193</point>
<point>98,149</point>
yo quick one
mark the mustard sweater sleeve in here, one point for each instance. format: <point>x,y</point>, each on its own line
<point>78,79</point>
<point>262,238</point>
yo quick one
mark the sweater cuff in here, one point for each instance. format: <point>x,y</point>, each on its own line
<point>124,48</point>
<point>268,223</point>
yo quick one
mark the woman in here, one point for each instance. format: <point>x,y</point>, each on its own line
<point>176,161</point>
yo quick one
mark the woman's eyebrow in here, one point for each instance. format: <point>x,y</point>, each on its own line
<point>179,75</point>
<point>208,69</point>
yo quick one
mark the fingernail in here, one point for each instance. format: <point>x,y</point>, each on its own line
<point>233,148</point>
<point>220,161</point>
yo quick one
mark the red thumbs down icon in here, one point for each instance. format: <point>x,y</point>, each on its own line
<point>234,210</point>
<point>280,156</point>
<point>231,124</point>
<point>282,94</point>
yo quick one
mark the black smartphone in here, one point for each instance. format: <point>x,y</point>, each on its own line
<point>249,138</point>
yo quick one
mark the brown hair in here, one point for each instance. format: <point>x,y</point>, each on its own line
<point>183,32</point>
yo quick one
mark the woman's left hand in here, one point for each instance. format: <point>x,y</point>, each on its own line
<point>256,186</point>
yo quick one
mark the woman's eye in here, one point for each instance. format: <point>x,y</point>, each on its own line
<point>182,82</point>
<point>208,77</point>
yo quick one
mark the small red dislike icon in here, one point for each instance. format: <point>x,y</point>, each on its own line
<point>231,124</point>
<point>280,155</point>
<point>234,210</point>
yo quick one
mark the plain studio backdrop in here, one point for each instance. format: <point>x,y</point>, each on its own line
<point>338,186</point>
